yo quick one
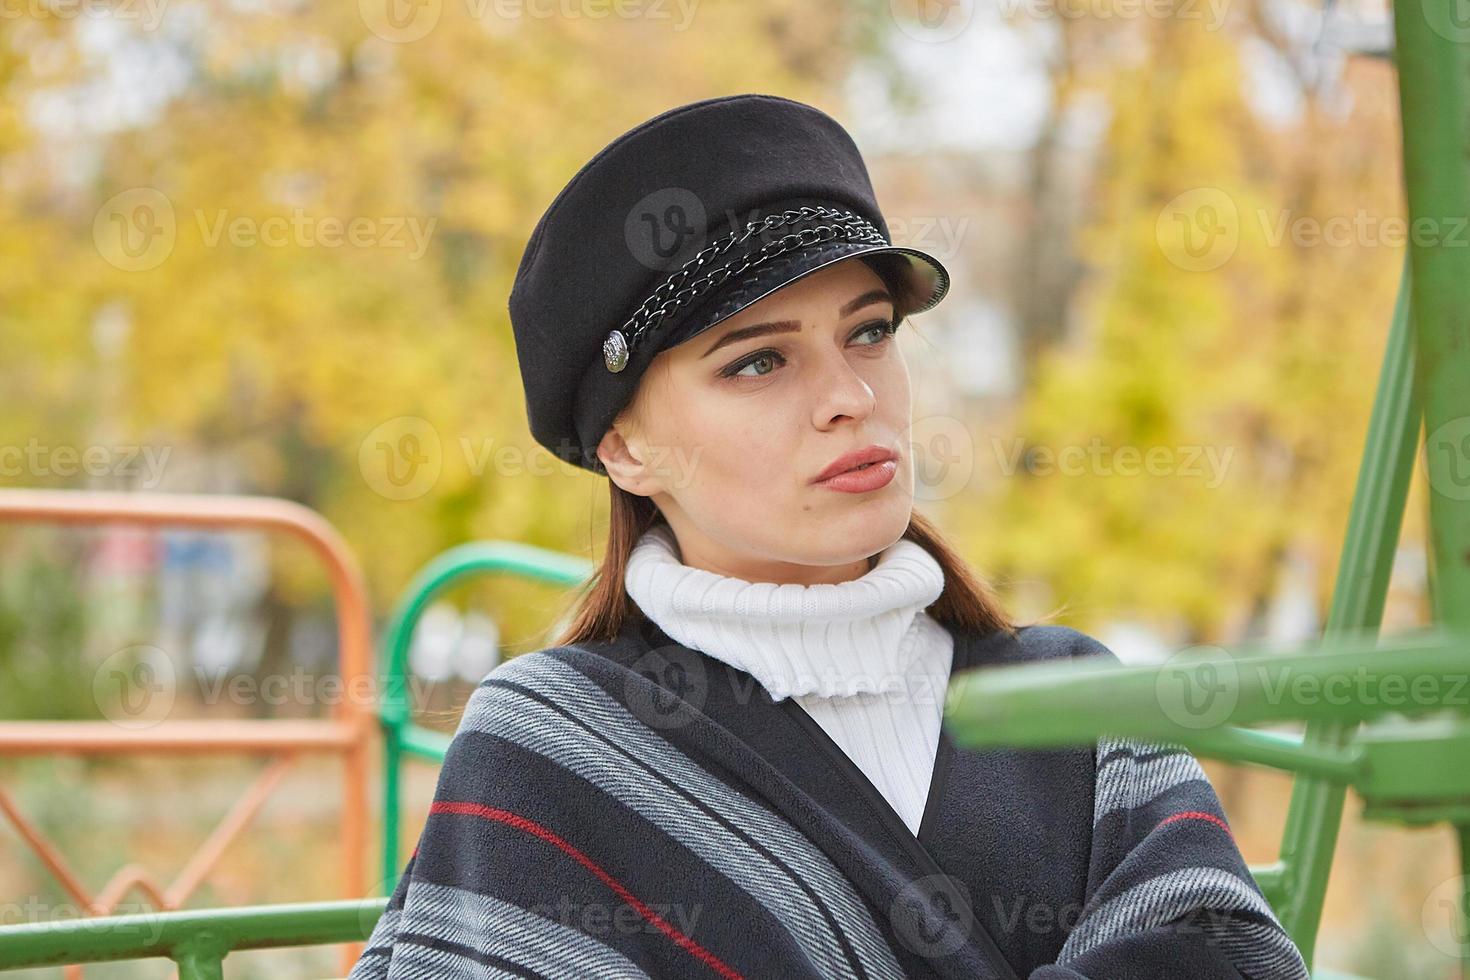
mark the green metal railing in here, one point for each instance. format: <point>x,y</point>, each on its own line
<point>1410,762</point>
<point>1425,377</point>
<point>197,941</point>
<point>402,737</point>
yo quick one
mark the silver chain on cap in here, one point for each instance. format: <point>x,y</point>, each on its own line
<point>618,346</point>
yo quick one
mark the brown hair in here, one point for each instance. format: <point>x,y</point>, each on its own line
<point>603,608</point>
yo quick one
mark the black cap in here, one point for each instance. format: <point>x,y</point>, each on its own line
<point>674,226</point>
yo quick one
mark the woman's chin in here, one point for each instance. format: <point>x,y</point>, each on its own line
<point>870,518</point>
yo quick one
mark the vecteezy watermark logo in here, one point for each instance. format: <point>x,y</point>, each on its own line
<point>1362,229</point>
<point>1198,687</point>
<point>135,687</point>
<point>679,690</point>
<point>300,229</point>
<point>1036,916</point>
<point>400,21</point>
<point>665,226</point>
<point>36,459</point>
<point>1211,12</point>
<point>401,459</point>
<point>932,21</point>
<point>940,235</point>
<point>1448,451</point>
<point>148,13</point>
<point>1450,19</point>
<point>136,229</point>
<point>1199,230</point>
<point>932,915</point>
<point>615,917</point>
<point>1099,459</point>
<point>942,450</point>
<point>1443,919</point>
<point>143,925</point>
<point>139,686</point>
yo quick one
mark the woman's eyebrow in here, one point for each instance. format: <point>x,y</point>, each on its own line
<point>788,326</point>
<point>866,299</point>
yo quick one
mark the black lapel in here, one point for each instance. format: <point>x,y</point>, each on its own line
<point>873,846</point>
<point>938,783</point>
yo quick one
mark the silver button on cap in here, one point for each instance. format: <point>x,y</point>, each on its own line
<point>615,351</point>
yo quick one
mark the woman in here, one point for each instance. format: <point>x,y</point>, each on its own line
<point>733,763</point>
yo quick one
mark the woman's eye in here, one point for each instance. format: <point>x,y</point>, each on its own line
<point>883,328</point>
<point>880,330</point>
<point>760,358</point>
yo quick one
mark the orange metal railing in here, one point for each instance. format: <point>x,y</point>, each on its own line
<point>347,734</point>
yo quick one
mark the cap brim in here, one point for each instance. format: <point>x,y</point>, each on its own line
<point>918,279</point>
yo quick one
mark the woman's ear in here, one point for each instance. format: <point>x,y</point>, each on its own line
<point>623,466</point>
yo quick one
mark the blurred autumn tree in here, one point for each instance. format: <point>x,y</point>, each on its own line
<point>301,366</point>
<point>1201,415</point>
<point>272,243</point>
<point>194,259</point>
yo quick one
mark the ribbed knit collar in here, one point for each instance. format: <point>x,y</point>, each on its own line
<point>829,640</point>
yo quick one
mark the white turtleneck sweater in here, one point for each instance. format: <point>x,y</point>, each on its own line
<point>861,657</point>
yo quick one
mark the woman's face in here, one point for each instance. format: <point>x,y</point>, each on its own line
<point>729,431</point>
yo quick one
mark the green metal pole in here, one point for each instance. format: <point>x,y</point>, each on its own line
<point>1432,41</point>
<point>400,735</point>
<point>192,938</point>
<point>1462,834</point>
<point>1358,596</point>
<point>393,721</point>
<point>1339,681</point>
<point>1433,45</point>
<point>201,959</point>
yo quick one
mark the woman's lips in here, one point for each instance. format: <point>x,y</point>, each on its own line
<point>865,479</point>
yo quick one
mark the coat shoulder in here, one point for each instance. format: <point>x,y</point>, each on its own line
<point>1039,642</point>
<point>584,655</point>
<point>549,676</point>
